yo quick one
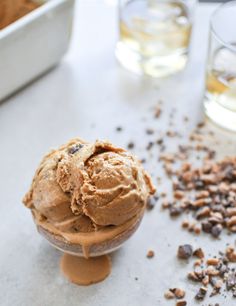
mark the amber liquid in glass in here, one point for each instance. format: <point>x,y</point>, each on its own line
<point>154,36</point>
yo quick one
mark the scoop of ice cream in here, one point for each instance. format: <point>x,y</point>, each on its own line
<point>83,186</point>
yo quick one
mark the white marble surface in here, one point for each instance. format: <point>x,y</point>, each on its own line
<point>89,95</point>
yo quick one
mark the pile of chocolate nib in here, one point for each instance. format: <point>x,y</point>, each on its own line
<point>208,195</point>
<point>215,272</point>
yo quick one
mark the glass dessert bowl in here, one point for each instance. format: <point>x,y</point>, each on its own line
<point>95,244</point>
<point>87,200</point>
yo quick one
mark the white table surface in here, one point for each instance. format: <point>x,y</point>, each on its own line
<point>88,95</point>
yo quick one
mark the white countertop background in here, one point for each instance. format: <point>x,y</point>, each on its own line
<point>89,95</point>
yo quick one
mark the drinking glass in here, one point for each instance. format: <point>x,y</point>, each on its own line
<point>220,93</point>
<point>154,35</point>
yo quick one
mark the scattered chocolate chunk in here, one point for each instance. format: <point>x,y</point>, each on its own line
<point>197,229</point>
<point>169,295</point>
<point>185,224</point>
<point>212,261</point>
<point>150,254</point>
<point>222,270</point>
<point>205,280</point>
<point>149,131</point>
<point>231,281</point>
<point>165,204</point>
<point>185,251</point>
<point>208,193</point>
<point>211,154</point>
<point>231,254</point>
<point>130,145</point>
<point>160,141</point>
<point>197,263</point>
<point>206,227</point>
<point>203,213</point>
<point>181,303</point>
<point>216,230</point>
<point>150,145</point>
<point>214,292</point>
<point>171,133</point>
<point>231,212</point>
<point>167,158</point>
<point>178,194</point>
<point>157,112</point>
<point>179,293</point>
<point>151,203</point>
<point>168,169</point>
<point>119,128</point>
<point>199,253</point>
<point>218,284</point>
<point>163,194</point>
<point>201,294</point>
<point>212,271</point>
<point>193,277</point>
<point>200,125</point>
<point>191,226</point>
<point>195,137</point>
<point>202,194</point>
<point>175,211</point>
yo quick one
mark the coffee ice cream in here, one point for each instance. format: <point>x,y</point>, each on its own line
<point>12,10</point>
<point>88,198</point>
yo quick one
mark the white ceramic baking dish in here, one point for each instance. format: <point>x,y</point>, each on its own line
<point>33,44</point>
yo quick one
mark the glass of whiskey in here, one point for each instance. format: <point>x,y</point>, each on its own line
<point>220,92</point>
<point>154,35</point>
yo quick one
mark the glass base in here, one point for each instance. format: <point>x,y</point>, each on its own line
<point>158,66</point>
<point>220,115</point>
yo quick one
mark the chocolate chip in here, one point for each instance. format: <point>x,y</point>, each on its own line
<point>231,281</point>
<point>185,251</point>
<point>160,141</point>
<point>179,293</point>
<point>212,261</point>
<point>150,254</point>
<point>201,294</point>
<point>200,125</point>
<point>231,254</point>
<point>215,291</point>
<point>151,203</point>
<point>149,131</point>
<point>199,253</point>
<point>222,270</point>
<point>150,145</point>
<point>203,212</point>
<point>193,277</point>
<point>75,148</point>
<point>175,211</point>
<point>216,230</point>
<point>169,295</point>
<point>206,227</point>
<point>130,145</point>
<point>181,303</point>
<point>157,112</point>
